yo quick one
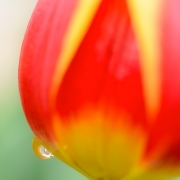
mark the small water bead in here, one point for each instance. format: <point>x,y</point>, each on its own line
<point>39,150</point>
<point>45,153</point>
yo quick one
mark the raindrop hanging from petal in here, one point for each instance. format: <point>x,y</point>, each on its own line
<point>40,151</point>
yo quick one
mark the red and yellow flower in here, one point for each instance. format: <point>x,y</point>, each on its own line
<point>99,84</point>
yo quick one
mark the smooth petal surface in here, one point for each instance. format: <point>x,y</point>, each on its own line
<point>105,68</point>
<point>41,46</point>
<point>99,90</point>
<point>167,127</point>
<point>163,143</point>
<point>98,83</point>
<point>146,19</point>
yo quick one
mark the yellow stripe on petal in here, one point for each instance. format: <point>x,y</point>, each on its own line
<point>78,27</point>
<point>145,15</point>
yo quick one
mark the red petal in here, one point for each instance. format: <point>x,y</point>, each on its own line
<point>106,67</point>
<point>165,134</point>
<point>39,54</point>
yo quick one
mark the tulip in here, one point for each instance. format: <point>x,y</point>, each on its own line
<point>99,86</point>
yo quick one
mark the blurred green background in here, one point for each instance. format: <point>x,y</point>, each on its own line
<point>17,161</point>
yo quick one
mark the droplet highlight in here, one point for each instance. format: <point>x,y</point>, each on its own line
<point>45,153</point>
<point>40,151</point>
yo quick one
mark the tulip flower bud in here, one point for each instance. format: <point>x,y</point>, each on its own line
<point>99,85</point>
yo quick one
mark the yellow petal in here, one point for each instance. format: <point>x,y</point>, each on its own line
<point>101,144</point>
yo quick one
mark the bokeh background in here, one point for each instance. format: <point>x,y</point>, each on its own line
<point>17,160</point>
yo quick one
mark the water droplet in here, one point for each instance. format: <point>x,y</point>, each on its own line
<point>40,150</point>
<point>45,153</point>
